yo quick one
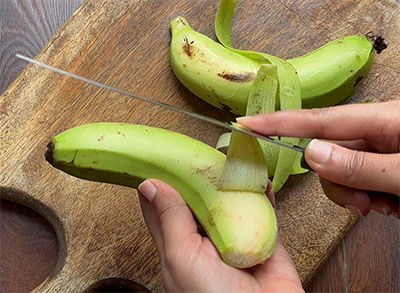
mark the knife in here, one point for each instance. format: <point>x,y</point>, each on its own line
<point>198,116</point>
<point>394,199</point>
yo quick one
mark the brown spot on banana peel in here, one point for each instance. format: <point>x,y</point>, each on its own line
<point>237,77</point>
<point>358,80</point>
<point>188,47</point>
<point>225,107</point>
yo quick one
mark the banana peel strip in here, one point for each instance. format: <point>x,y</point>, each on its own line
<point>289,85</point>
<point>262,97</point>
<point>223,140</point>
<point>245,168</point>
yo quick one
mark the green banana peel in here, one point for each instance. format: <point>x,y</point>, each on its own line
<point>262,98</point>
<point>328,75</point>
<point>245,168</point>
<point>215,74</point>
<point>289,88</point>
<point>224,140</point>
<point>223,31</point>
<point>289,95</point>
<point>209,70</point>
<point>241,224</point>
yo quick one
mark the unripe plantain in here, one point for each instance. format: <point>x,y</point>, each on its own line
<point>209,70</point>
<point>241,224</point>
<point>223,77</point>
<point>333,72</point>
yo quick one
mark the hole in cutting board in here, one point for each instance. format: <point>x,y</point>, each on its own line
<point>29,248</point>
<point>116,285</point>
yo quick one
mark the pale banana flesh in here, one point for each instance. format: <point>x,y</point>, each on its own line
<point>223,77</point>
<point>241,224</point>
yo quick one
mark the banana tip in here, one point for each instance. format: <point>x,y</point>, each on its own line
<point>178,23</point>
<point>49,153</point>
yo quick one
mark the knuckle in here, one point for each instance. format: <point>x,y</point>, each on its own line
<point>169,211</point>
<point>322,116</point>
<point>354,163</point>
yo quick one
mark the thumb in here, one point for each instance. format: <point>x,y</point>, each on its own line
<point>167,216</point>
<point>357,169</point>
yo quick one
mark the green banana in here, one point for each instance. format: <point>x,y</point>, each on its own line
<point>223,77</point>
<point>333,72</point>
<point>209,70</point>
<point>241,224</point>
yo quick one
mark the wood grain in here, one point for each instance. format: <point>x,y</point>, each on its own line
<point>376,240</point>
<point>28,248</point>
<point>26,26</point>
<point>332,275</point>
<point>104,42</point>
<point>28,243</point>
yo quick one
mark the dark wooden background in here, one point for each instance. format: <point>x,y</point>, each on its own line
<point>368,259</point>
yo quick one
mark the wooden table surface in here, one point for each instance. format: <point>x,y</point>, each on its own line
<point>368,259</point>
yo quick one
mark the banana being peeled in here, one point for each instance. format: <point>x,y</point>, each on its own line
<point>240,223</point>
<point>223,77</point>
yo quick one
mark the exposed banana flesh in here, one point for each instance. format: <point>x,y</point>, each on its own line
<point>241,224</point>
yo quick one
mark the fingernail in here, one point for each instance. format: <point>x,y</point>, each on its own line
<point>320,152</point>
<point>271,196</point>
<point>354,210</point>
<point>148,190</point>
<point>242,120</point>
<point>270,193</point>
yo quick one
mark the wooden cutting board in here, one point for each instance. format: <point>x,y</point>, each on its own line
<point>125,44</point>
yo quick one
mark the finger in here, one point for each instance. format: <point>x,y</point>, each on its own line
<point>176,221</point>
<point>358,144</point>
<point>278,273</point>
<point>359,170</point>
<point>270,193</point>
<point>385,204</point>
<point>345,122</point>
<point>352,199</point>
<point>152,222</point>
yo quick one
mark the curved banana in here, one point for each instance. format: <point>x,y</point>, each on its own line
<point>209,70</point>
<point>223,77</point>
<point>241,224</point>
<point>333,72</point>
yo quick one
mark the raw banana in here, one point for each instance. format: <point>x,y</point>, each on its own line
<point>223,77</point>
<point>209,70</point>
<point>240,223</point>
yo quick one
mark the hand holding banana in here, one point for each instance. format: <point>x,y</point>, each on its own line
<point>226,193</point>
<point>227,77</point>
<point>365,155</point>
<point>190,262</point>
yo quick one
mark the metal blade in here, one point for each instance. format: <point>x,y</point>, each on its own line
<point>166,106</point>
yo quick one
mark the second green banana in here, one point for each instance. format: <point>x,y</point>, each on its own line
<point>223,77</point>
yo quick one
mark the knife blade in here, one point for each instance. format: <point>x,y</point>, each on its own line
<point>198,116</point>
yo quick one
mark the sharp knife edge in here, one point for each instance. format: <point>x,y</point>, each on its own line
<point>163,105</point>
